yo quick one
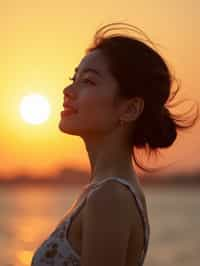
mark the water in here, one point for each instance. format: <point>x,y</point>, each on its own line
<point>29,214</point>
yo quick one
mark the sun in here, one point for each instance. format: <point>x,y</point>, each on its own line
<point>34,109</point>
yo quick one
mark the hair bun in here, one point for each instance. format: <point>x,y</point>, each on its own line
<point>156,128</point>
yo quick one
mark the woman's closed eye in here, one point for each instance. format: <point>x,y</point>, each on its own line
<point>85,80</point>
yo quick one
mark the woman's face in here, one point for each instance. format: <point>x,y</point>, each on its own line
<point>92,94</point>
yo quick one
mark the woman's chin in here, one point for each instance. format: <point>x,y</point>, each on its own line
<point>66,128</point>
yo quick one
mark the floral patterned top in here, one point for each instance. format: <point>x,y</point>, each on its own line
<point>56,250</point>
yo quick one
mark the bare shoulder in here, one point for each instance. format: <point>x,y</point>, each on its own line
<point>110,193</point>
<point>107,225</point>
<point>113,200</point>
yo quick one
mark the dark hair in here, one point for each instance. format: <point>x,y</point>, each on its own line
<point>141,71</point>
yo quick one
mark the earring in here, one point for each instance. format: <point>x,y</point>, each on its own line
<point>122,123</point>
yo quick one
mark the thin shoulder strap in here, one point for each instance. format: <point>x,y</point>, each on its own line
<point>140,207</point>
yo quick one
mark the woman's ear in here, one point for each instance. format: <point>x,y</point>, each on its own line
<point>133,109</point>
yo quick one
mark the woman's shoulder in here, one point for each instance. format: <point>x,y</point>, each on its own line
<point>107,206</point>
<point>112,197</point>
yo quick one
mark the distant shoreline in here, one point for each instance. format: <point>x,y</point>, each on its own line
<point>51,184</point>
<point>74,178</point>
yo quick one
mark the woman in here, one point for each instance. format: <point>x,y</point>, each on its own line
<point>117,102</point>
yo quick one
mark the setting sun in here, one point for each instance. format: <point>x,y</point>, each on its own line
<point>34,109</point>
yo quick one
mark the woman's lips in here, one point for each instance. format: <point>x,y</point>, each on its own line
<point>69,109</point>
<point>67,112</point>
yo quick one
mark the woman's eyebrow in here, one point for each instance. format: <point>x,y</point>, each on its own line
<point>89,70</point>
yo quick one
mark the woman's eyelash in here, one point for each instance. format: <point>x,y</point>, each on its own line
<point>73,79</point>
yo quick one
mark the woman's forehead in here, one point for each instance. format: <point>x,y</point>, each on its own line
<point>97,61</point>
<point>94,60</point>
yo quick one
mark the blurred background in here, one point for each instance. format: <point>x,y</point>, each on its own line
<point>42,170</point>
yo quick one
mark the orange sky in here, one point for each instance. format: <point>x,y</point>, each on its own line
<point>41,44</point>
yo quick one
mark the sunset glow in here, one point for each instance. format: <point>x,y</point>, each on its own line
<point>41,44</point>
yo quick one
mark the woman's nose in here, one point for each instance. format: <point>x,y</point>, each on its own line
<point>68,92</point>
